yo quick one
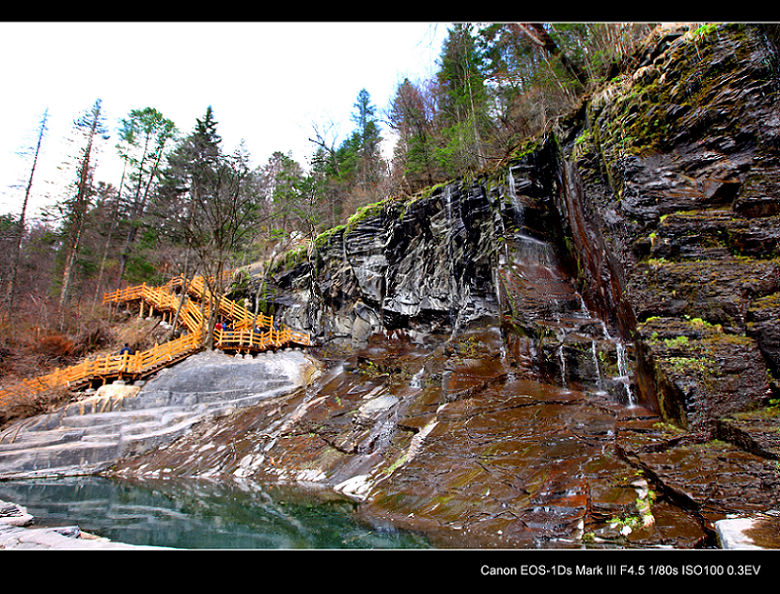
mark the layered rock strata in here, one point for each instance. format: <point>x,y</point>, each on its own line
<point>118,421</point>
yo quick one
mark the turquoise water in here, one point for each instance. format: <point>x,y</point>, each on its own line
<point>201,515</point>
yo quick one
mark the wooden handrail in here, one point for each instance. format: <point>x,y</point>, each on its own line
<point>165,300</point>
<point>131,365</point>
<point>252,332</point>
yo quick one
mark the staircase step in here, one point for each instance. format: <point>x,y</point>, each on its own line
<point>27,439</point>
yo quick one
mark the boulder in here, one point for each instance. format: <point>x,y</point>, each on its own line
<point>750,532</point>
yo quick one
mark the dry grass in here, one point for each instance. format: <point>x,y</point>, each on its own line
<point>140,334</point>
<point>27,351</point>
<point>27,404</point>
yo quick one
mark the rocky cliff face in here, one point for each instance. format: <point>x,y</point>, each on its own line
<point>648,219</point>
<point>491,253</point>
<point>676,169</point>
<point>579,348</point>
<point>425,265</point>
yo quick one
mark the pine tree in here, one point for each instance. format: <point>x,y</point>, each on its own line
<point>146,134</point>
<point>367,141</point>
<point>91,127</point>
<point>207,200</point>
<point>17,249</point>
<point>463,102</point>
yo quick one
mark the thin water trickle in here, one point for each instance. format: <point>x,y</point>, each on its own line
<point>517,207</point>
<point>623,374</point>
<point>562,360</point>
<point>620,351</point>
<point>416,381</point>
<point>512,188</point>
<point>535,251</point>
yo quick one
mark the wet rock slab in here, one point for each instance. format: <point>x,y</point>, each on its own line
<point>710,478</point>
<point>513,469</point>
<point>92,433</point>
<point>755,431</point>
<point>448,441</point>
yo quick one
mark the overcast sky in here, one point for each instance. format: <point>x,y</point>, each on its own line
<point>269,83</point>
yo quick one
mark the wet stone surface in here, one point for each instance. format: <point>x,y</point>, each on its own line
<point>447,439</point>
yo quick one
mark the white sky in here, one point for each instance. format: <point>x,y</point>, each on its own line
<point>268,83</point>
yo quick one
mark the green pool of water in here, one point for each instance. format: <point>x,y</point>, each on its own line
<point>201,515</point>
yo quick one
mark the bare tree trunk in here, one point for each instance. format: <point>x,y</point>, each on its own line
<point>135,213</point>
<point>79,208</point>
<point>11,293</point>
<point>184,295</point>
<point>537,33</point>
<point>213,285</point>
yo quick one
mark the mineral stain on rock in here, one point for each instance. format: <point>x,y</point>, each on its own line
<point>470,453</point>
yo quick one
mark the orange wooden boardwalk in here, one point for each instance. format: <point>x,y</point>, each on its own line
<point>250,333</point>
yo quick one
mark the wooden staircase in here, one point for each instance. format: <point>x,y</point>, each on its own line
<point>250,333</point>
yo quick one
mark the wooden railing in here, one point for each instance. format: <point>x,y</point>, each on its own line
<point>110,366</point>
<point>164,299</point>
<point>251,332</point>
<point>242,318</point>
<point>244,321</point>
<point>250,340</point>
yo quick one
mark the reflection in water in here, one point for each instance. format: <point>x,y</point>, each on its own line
<point>199,515</point>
